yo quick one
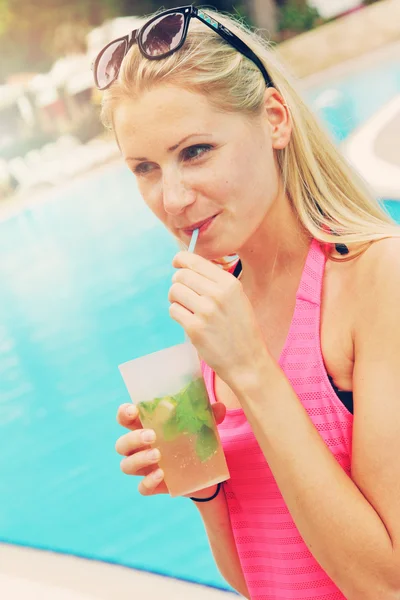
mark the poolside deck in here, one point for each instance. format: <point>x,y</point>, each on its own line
<point>38,575</point>
<point>374,150</point>
<point>374,147</point>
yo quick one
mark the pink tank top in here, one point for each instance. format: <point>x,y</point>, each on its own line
<point>276,562</point>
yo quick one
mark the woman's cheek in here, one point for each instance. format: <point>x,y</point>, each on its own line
<point>151,192</point>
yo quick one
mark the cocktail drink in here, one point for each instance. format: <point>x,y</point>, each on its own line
<point>169,390</point>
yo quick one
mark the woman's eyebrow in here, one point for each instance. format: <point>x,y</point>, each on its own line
<point>172,148</point>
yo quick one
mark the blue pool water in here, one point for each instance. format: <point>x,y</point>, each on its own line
<point>347,103</point>
<point>83,288</point>
<point>84,285</point>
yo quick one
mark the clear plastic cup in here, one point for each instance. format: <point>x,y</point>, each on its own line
<point>168,388</point>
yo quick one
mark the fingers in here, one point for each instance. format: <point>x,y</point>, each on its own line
<point>200,265</point>
<point>183,316</point>
<point>133,465</point>
<point>140,459</point>
<point>149,485</point>
<point>135,440</point>
<point>198,305</point>
<point>128,417</point>
<point>185,296</point>
<point>201,285</point>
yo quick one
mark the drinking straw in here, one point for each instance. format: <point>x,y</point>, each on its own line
<point>193,240</point>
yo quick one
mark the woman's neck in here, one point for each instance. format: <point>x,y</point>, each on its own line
<point>278,247</point>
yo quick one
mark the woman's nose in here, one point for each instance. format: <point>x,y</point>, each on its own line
<point>177,194</point>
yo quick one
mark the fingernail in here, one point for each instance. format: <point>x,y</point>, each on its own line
<point>131,411</point>
<point>148,435</point>
<point>158,475</point>
<point>154,454</point>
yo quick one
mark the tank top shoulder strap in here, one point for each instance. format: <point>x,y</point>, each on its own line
<point>309,290</point>
<point>310,286</point>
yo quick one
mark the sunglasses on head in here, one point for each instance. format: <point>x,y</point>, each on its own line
<point>163,35</point>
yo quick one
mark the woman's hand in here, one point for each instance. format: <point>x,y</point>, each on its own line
<point>216,314</point>
<point>137,449</point>
<point>141,455</point>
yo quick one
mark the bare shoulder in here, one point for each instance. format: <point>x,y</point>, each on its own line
<point>377,274</point>
<point>369,273</point>
<point>381,251</point>
<point>380,258</point>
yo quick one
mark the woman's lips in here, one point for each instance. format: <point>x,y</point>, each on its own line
<point>202,228</point>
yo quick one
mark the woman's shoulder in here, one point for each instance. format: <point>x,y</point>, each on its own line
<point>367,279</point>
<point>380,259</point>
<point>376,277</point>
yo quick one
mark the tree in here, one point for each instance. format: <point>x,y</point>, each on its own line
<point>32,34</point>
<point>28,30</point>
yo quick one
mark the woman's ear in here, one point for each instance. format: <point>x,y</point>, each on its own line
<point>279,119</point>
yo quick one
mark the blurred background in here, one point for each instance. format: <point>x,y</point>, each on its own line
<point>85,271</point>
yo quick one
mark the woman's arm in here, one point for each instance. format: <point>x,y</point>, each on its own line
<point>216,520</point>
<point>351,526</point>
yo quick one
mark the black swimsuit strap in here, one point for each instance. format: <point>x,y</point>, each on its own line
<point>340,248</point>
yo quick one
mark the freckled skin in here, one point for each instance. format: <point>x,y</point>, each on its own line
<point>227,167</point>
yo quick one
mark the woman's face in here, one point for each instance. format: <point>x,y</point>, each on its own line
<point>198,167</point>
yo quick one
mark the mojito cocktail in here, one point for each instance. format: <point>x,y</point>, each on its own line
<point>192,457</point>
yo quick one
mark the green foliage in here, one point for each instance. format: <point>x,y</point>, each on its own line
<point>34,34</point>
<point>5,16</point>
<point>148,408</point>
<point>192,415</point>
<point>186,417</point>
<point>171,429</point>
<point>297,16</point>
<point>30,33</point>
<point>193,410</point>
<point>206,444</point>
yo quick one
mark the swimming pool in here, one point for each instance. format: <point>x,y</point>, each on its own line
<point>84,282</point>
<point>346,103</point>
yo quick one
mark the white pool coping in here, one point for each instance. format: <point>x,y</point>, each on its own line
<point>29,574</point>
<point>360,150</point>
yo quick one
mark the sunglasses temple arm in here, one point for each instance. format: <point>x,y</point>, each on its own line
<point>133,38</point>
<point>243,48</point>
<point>236,42</point>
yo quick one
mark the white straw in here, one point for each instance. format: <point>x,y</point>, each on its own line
<point>193,241</point>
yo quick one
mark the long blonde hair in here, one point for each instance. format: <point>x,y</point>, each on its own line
<point>331,200</point>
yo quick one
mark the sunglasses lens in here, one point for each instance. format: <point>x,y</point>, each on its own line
<point>109,63</point>
<point>163,34</point>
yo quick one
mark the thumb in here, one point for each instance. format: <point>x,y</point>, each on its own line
<point>219,410</point>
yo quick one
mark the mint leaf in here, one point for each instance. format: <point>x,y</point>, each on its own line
<point>199,394</point>
<point>205,415</point>
<point>171,429</point>
<point>147,408</point>
<point>186,414</point>
<point>193,408</point>
<point>207,443</point>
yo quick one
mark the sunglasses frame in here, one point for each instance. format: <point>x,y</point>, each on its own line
<point>188,12</point>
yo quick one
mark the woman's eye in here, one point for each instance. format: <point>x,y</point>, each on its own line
<point>194,152</point>
<point>144,168</point>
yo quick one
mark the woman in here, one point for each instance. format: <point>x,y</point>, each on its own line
<point>304,328</point>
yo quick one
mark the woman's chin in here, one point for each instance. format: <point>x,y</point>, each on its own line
<point>215,254</point>
<point>207,249</point>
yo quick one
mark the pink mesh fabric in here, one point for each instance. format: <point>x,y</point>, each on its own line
<point>276,562</point>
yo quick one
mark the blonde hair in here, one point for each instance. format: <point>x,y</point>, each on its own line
<point>331,200</point>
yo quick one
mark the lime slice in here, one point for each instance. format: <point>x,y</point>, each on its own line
<point>165,410</point>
